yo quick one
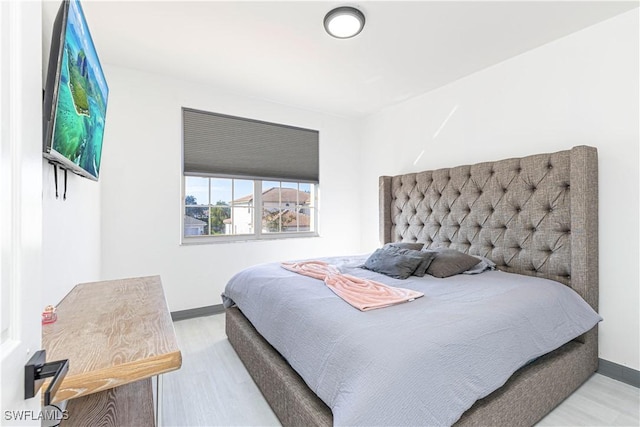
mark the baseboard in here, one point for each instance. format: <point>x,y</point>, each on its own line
<point>197,312</point>
<point>619,372</point>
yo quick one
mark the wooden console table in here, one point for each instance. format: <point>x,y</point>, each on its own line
<point>114,333</point>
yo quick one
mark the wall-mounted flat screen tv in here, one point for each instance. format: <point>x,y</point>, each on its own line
<point>75,96</point>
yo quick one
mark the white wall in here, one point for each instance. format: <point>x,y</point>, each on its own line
<point>71,228</point>
<point>70,234</point>
<point>582,89</point>
<point>141,179</point>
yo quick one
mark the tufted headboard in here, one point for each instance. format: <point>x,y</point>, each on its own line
<point>535,215</point>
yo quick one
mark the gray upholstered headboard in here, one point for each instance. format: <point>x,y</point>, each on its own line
<point>535,215</point>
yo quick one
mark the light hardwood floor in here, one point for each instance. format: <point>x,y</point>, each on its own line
<point>214,389</point>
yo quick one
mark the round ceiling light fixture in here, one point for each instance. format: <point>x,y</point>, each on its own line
<point>344,22</point>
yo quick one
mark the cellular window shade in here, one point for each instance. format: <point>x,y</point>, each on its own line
<point>234,146</point>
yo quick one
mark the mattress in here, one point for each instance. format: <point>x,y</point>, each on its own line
<point>423,362</point>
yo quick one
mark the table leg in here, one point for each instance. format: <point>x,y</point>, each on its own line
<point>158,413</point>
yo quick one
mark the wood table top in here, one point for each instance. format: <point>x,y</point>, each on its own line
<point>113,333</point>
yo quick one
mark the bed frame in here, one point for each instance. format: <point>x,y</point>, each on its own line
<point>536,215</point>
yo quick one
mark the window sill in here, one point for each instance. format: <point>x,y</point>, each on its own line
<point>208,240</point>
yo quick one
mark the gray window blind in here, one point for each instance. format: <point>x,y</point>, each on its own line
<point>217,144</point>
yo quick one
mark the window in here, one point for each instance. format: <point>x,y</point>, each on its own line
<point>245,179</point>
<point>230,207</point>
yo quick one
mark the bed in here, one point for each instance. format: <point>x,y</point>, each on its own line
<point>533,216</point>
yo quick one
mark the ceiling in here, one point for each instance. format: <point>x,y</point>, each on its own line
<point>279,51</point>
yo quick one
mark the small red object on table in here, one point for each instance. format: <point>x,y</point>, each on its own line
<point>49,315</point>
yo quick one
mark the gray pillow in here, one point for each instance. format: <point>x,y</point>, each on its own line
<point>426,256</point>
<point>449,262</point>
<point>392,263</point>
<point>405,245</point>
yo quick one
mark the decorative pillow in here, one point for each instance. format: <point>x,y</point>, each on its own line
<point>405,245</point>
<point>449,262</point>
<point>393,263</point>
<point>484,265</point>
<point>426,256</point>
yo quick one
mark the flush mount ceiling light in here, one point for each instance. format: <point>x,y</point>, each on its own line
<point>344,22</point>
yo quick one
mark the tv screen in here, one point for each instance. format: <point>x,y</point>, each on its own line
<point>75,98</point>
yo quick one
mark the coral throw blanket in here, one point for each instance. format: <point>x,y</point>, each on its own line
<point>363,294</point>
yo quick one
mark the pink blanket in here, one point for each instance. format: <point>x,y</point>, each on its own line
<point>363,294</point>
